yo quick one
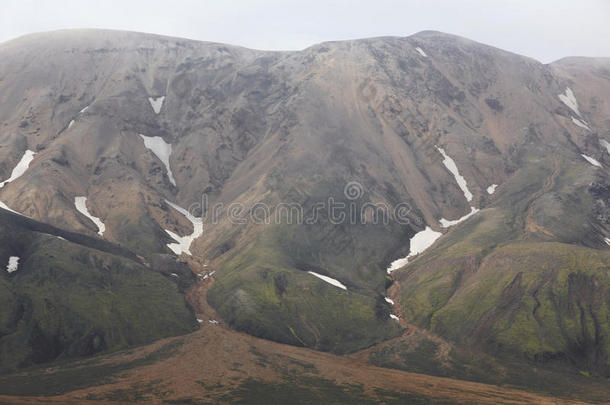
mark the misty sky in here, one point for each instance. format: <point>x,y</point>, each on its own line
<point>544,29</point>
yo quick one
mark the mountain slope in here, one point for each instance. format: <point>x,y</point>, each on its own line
<point>71,296</point>
<point>421,131</point>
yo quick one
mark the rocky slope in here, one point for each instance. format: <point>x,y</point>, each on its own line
<point>432,127</point>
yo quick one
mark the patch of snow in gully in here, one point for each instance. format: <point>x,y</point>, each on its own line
<point>421,52</point>
<point>183,243</point>
<point>6,207</point>
<point>21,167</point>
<point>492,189</point>
<point>389,300</point>
<point>13,264</point>
<point>70,124</point>
<point>162,150</point>
<point>84,109</point>
<point>607,240</point>
<point>581,123</point>
<point>81,206</point>
<point>569,100</point>
<point>156,103</point>
<point>452,167</point>
<point>394,317</point>
<point>591,160</point>
<point>445,223</point>
<point>419,242</point>
<point>329,280</point>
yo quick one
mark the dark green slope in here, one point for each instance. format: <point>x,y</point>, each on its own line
<point>527,278</point>
<point>71,299</point>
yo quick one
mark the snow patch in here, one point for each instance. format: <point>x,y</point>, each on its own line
<point>213,321</point>
<point>421,52</point>
<point>591,160</point>
<point>21,167</point>
<point>394,317</point>
<point>84,109</point>
<point>162,150</point>
<point>183,244</point>
<point>581,123</point>
<point>156,103</point>
<point>452,167</point>
<point>70,124</point>
<point>605,144</point>
<point>13,264</point>
<point>389,300</point>
<point>419,242</point>
<point>492,189</point>
<point>5,207</point>
<point>81,205</point>
<point>174,275</point>
<point>607,240</point>
<point>447,223</point>
<point>199,320</point>
<point>329,280</point>
<point>569,100</point>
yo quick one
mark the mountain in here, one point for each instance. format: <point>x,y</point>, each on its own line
<point>268,171</point>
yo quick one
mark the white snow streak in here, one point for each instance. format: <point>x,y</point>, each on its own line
<point>607,240</point>
<point>81,205</point>
<point>13,264</point>
<point>84,109</point>
<point>591,160</point>
<point>21,167</point>
<point>492,189</point>
<point>162,150</point>
<point>569,100</point>
<point>6,207</point>
<point>421,52</point>
<point>419,242</point>
<point>394,317</point>
<point>447,223</point>
<point>329,280</point>
<point>580,123</point>
<point>389,300</point>
<point>156,103</point>
<point>70,124</point>
<point>452,167</point>
<point>183,244</point>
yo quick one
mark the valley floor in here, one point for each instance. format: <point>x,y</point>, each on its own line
<point>219,365</point>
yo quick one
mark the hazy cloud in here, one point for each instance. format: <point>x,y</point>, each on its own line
<point>544,29</point>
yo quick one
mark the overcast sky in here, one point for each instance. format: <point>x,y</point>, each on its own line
<point>544,29</point>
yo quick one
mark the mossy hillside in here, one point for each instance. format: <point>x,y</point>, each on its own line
<point>419,354</point>
<point>541,300</point>
<point>354,244</point>
<point>499,282</point>
<point>534,298</point>
<point>260,291</point>
<point>67,300</point>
